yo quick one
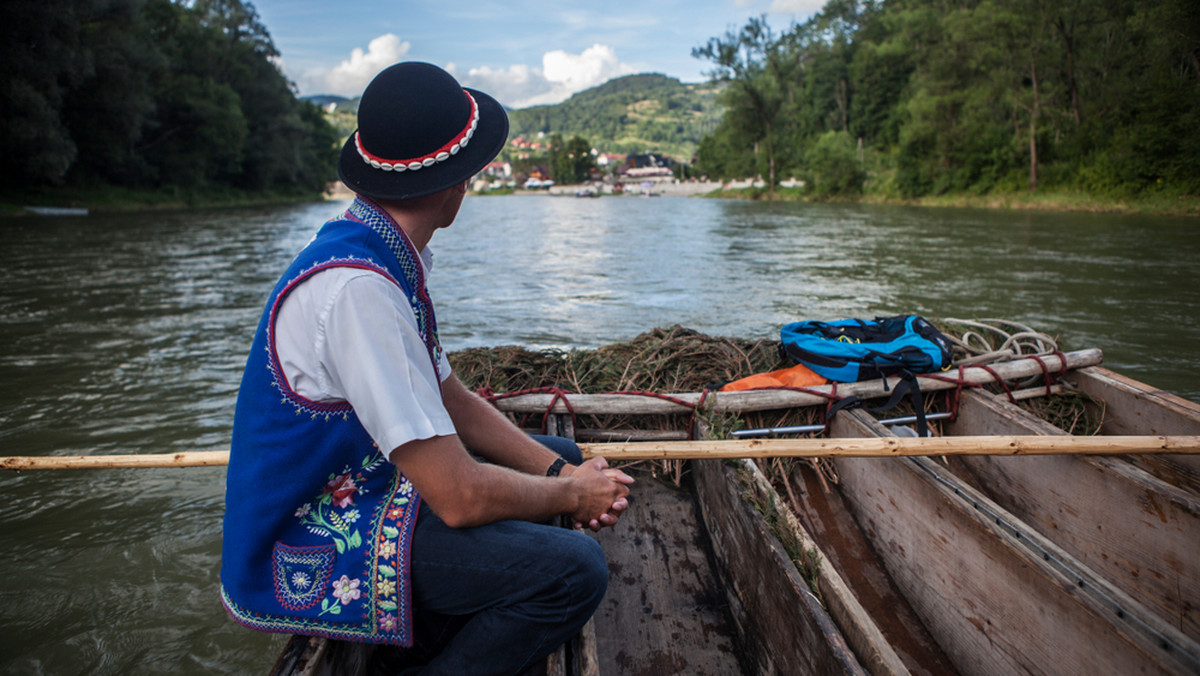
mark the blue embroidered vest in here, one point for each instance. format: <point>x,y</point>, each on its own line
<point>318,523</point>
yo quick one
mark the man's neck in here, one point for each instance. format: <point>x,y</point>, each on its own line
<point>418,229</point>
<point>421,217</point>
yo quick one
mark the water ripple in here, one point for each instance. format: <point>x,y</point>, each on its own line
<point>127,334</point>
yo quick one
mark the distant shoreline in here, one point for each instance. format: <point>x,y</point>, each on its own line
<point>1064,202</point>
<point>110,200</point>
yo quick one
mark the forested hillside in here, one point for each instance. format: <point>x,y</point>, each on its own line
<point>925,97</point>
<point>149,94</point>
<point>897,99</point>
<point>632,114</point>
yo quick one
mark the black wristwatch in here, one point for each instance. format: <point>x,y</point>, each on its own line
<point>556,467</point>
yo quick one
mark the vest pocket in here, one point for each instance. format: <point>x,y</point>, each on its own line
<point>301,574</point>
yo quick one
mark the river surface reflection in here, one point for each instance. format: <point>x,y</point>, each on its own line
<point>127,334</point>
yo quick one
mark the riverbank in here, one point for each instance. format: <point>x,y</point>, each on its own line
<point>1155,204</point>
<point>100,200</point>
<point>110,200</point>
<point>1160,204</point>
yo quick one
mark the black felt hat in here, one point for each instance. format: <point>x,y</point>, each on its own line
<point>420,132</point>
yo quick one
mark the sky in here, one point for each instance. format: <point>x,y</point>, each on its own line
<point>523,52</point>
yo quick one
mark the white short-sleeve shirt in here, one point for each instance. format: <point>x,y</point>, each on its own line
<point>348,334</point>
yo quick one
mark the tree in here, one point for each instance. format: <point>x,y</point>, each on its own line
<point>572,161</point>
<point>834,165</point>
<point>974,95</point>
<point>152,93</point>
<point>726,154</point>
<point>45,48</point>
<point>760,70</point>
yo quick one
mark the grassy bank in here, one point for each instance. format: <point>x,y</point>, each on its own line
<point>110,199</point>
<point>1153,204</point>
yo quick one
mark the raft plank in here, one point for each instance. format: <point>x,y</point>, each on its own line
<point>1139,532</point>
<point>1133,407</point>
<point>976,576</point>
<point>762,400</point>
<point>846,549</point>
<point>871,646</point>
<point>664,612</point>
<point>783,627</point>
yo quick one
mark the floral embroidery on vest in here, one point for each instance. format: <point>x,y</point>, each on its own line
<point>301,573</point>
<point>388,584</point>
<point>332,513</point>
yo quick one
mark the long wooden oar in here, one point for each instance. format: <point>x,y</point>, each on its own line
<point>894,446</point>
<point>182,459</point>
<point>737,448</point>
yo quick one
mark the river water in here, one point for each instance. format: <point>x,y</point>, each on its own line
<point>127,334</point>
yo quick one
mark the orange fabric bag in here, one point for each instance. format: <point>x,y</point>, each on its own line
<point>796,376</point>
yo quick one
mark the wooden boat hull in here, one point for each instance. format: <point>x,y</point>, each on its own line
<point>972,565</point>
<point>1130,526</point>
<point>699,584</point>
<point>1072,564</point>
<point>997,596</point>
<point>783,627</point>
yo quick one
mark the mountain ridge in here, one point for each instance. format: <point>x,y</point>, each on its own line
<point>641,113</point>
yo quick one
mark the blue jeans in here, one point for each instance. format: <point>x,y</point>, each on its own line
<point>497,598</point>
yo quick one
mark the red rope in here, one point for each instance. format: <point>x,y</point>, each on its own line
<point>959,383</point>
<point>694,408</point>
<point>558,395</point>
<point>831,397</point>
<point>1052,377</point>
<point>829,402</point>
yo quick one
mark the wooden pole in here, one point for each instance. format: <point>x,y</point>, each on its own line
<point>762,400</point>
<point>183,459</point>
<point>735,448</point>
<point>894,446</point>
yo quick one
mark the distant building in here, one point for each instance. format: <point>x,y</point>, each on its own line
<point>647,167</point>
<point>609,160</point>
<point>498,170</point>
<point>649,160</point>
<point>647,172</point>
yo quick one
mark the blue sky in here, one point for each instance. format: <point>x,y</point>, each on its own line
<point>523,52</point>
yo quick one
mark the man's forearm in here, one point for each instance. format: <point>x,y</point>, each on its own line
<point>467,493</point>
<point>487,432</point>
<point>485,493</point>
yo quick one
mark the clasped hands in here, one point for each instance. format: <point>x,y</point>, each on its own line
<point>601,491</point>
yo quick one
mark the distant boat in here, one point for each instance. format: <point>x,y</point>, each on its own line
<point>586,192</point>
<point>58,211</point>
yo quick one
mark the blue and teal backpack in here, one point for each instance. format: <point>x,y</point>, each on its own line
<point>850,350</point>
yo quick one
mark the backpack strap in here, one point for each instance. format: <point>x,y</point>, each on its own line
<point>907,386</point>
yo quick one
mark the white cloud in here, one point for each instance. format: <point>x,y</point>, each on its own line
<point>350,77</point>
<point>517,86</point>
<point>802,7</point>
<point>511,86</point>
<point>560,76</point>
<point>597,64</point>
